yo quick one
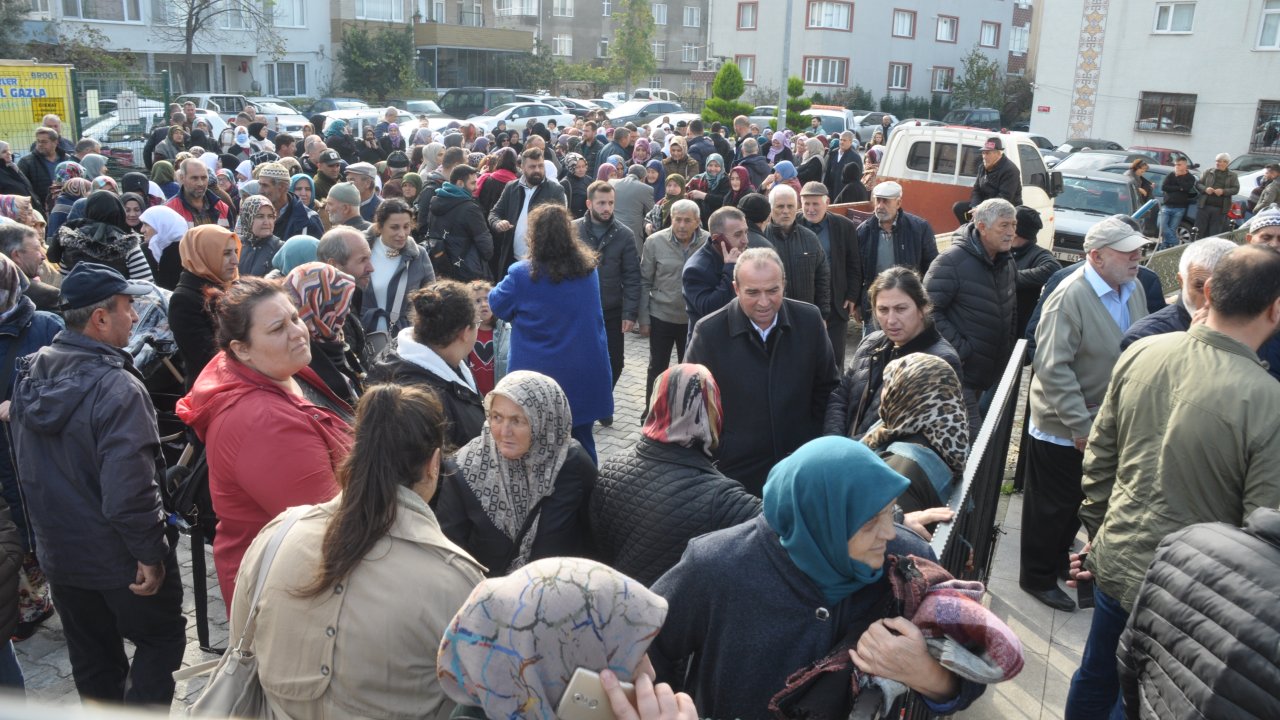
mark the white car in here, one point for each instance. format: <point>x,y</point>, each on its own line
<point>358,119</point>
<point>517,115</point>
<point>124,137</point>
<point>279,115</point>
<point>641,112</point>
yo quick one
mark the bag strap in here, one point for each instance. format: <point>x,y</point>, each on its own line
<point>292,516</point>
<point>393,316</point>
<point>524,530</point>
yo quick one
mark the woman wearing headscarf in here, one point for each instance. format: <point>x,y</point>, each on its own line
<point>641,152</point>
<point>368,150</point>
<point>817,551</point>
<point>73,189</point>
<point>102,236</point>
<point>162,229</point>
<point>923,432</point>
<point>225,181</point>
<point>304,188</point>
<point>210,257</point>
<point>411,186</point>
<point>94,165</point>
<point>652,500</point>
<point>256,229</point>
<point>173,143</point>
<point>659,218</point>
<point>778,150</point>
<point>12,180</point>
<point>162,175</point>
<point>433,353</point>
<point>812,169</point>
<point>656,178</point>
<point>606,172</point>
<point>739,186</point>
<point>489,186</point>
<point>709,188</point>
<point>373,557</point>
<point>604,622</point>
<point>431,157</point>
<point>336,138</point>
<point>297,250</point>
<point>853,190</point>
<point>323,296</point>
<point>392,141</point>
<point>200,138</point>
<point>519,491</point>
<point>784,173</point>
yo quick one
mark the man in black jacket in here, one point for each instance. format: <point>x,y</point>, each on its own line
<point>891,236</point>
<point>772,359</point>
<point>511,212</point>
<point>839,240</point>
<point>38,165</point>
<point>997,178</point>
<point>707,279</point>
<point>972,287</point>
<point>618,268</point>
<point>458,224</point>
<point>845,154</point>
<point>808,275</point>
<point>1035,265</point>
<point>1179,191</point>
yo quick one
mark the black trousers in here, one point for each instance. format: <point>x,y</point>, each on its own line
<point>837,330</point>
<point>663,336</point>
<point>1211,220</point>
<point>961,210</point>
<point>613,336</point>
<point>96,623</point>
<point>1050,512</point>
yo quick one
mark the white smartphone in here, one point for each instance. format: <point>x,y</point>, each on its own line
<point>585,698</point>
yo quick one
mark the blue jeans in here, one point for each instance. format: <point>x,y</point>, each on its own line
<point>10,671</point>
<point>1170,218</point>
<point>1095,688</point>
<point>583,434</point>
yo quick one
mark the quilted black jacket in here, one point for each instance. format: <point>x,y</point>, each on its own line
<point>650,503</point>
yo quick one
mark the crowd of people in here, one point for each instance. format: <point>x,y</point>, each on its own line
<point>410,341</point>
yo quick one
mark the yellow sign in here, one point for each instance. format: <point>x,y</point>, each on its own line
<point>28,92</point>
<point>44,106</point>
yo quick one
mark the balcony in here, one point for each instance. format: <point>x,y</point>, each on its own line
<point>472,34</point>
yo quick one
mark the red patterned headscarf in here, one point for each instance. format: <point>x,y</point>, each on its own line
<point>685,409</point>
<point>322,294</point>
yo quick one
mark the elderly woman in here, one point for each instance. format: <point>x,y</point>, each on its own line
<point>162,229</point>
<point>659,218</point>
<point>260,379</point>
<point>603,622</point>
<point>210,257</point>
<point>163,176</point>
<point>818,551</point>
<point>709,188</point>
<point>901,308</point>
<point>552,301</point>
<point>256,228</point>
<point>323,296</point>
<point>520,490</point>
<point>652,500</point>
<point>575,182</point>
<point>174,142</point>
<point>374,557</point>
<point>400,266</point>
<point>433,355</point>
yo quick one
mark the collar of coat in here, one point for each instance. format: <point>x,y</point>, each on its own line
<point>739,323</point>
<point>1224,342</point>
<point>919,343</point>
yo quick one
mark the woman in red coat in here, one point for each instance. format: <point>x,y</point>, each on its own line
<point>274,433</point>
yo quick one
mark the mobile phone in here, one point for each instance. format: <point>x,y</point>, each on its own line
<point>1084,588</point>
<point>585,698</point>
<point>719,239</point>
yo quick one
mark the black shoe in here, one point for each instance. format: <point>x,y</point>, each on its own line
<point>1053,597</point>
<point>26,629</point>
<point>606,422</point>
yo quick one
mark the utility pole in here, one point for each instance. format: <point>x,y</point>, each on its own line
<point>786,69</point>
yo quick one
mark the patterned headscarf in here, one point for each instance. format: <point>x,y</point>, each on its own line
<point>77,187</point>
<point>248,207</point>
<point>512,648</point>
<point>66,170</point>
<point>921,394</point>
<point>322,294</point>
<point>685,409</point>
<point>201,252</point>
<point>13,283</point>
<point>106,182</point>
<point>510,489</point>
<point>15,207</point>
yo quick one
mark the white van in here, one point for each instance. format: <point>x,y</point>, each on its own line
<point>655,94</point>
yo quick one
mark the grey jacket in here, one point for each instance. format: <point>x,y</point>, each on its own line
<point>619,266</point>
<point>84,426</point>
<point>633,201</point>
<point>661,267</point>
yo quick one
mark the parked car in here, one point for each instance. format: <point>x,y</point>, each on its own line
<point>1086,199</point>
<point>642,111</point>
<point>576,107</point>
<point>279,115</point>
<point>324,105</point>
<point>762,115</point>
<point>1163,156</point>
<point>1089,160</point>
<point>1156,174</point>
<point>227,105</point>
<point>603,104</point>
<point>655,94</point>
<point>868,124</point>
<point>673,118</point>
<point>834,119</point>
<point>518,114</point>
<point>418,107</point>
<point>1252,162</point>
<point>124,136</point>
<point>1042,142</point>
<point>465,102</point>
<point>617,98</point>
<point>987,118</point>
<point>1078,144</point>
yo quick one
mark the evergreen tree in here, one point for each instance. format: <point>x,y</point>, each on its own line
<point>723,105</point>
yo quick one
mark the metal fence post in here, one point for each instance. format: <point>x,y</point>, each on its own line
<point>164,81</point>
<point>74,120</point>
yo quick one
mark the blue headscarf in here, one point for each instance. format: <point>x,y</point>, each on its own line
<point>660,185</point>
<point>785,169</point>
<point>297,250</point>
<point>818,498</point>
<point>293,183</point>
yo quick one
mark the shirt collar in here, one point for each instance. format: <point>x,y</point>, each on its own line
<point>1101,287</point>
<point>764,333</point>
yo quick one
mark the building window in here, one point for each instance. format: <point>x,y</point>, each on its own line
<point>692,16</point>
<point>287,79</point>
<point>389,10</point>
<point>1174,17</point>
<point>199,76</point>
<point>655,81</point>
<point>689,53</point>
<point>825,70</point>
<point>660,14</point>
<point>1166,112</point>
<point>39,7</point>
<point>1019,38</point>
<point>990,35</point>
<point>562,45</point>
<point>505,7</point>
<point>289,13</point>
<point>1269,33</point>
<point>603,50</point>
<point>110,10</point>
<point>660,52</point>
<point>831,15</point>
<point>948,28</point>
<point>748,12</point>
<point>562,8</point>
<point>605,8</point>
<point>899,76</point>
<point>234,18</point>
<point>747,64</point>
<point>942,77</point>
<point>904,23</point>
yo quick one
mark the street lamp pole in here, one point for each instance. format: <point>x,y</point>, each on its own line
<point>786,69</point>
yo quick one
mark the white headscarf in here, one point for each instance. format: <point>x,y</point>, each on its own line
<point>169,227</point>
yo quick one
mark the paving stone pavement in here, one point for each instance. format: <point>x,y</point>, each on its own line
<point>1052,640</point>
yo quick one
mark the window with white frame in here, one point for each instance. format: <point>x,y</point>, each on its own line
<point>655,81</point>
<point>606,8</point>
<point>904,23</point>
<point>234,17</point>
<point>513,7</point>
<point>659,14</point>
<point>689,53</point>
<point>1019,39</point>
<point>948,28</point>
<point>825,70</point>
<point>942,77</point>
<point>562,8</point>
<point>1269,28</point>
<point>1174,17</point>
<point>660,51</point>
<point>826,14</point>
<point>746,64</point>
<point>899,76</point>
<point>748,12</point>
<point>990,36</point>
<point>39,7</point>
<point>438,11</point>
<point>110,10</point>
<point>692,16</point>
<point>287,79</point>
<point>603,50</point>
<point>562,45</point>
<point>389,10</point>
<point>289,13</point>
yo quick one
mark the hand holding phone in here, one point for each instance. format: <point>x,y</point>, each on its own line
<point>599,696</point>
<point>1084,586</point>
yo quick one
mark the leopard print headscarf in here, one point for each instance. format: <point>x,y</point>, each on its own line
<point>921,394</point>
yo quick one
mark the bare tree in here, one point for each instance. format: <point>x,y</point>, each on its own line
<point>195,24</point>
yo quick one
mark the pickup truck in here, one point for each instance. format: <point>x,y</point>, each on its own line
<point>937,166</point>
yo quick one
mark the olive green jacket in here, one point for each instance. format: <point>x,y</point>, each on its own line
<point>1187,433</point>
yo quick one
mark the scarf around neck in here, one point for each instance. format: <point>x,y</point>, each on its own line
<point>921,395</point>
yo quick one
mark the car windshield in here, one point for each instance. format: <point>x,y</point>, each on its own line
<point>275,109</point>
<point>500,110</point>
<point>1250,163</point>
<point>831,123</point>
<point>1088,161</point>
<point>348,105</point>
<point>423,106</point>
<point>1094,196</point>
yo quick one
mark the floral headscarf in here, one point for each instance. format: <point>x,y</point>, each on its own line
<point>509,489</point>
<point>248,207</point>
<point>323,295</point>
<point>685,409</point>
<point>201,252</point>
<point>68,169</point>
<point>16,207</point>
<point>77,187</point>
<point>921,395</point>
<point>549,618</point>
<point>105,182</point>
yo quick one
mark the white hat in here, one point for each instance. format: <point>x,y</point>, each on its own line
<point>887,189</point>
<point>1116,234</point>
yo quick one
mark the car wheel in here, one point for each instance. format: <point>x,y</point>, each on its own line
<point>1186,232</point>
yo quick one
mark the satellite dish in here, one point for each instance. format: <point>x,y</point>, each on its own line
<point>256,87</point>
